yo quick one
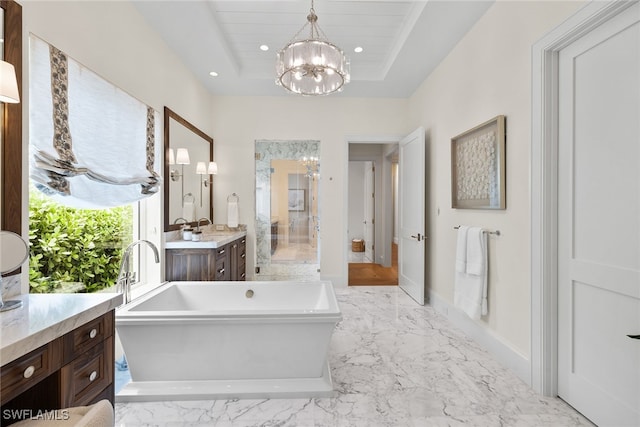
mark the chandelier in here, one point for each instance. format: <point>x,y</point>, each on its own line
<point>312,66</point>
<point>311,164</point>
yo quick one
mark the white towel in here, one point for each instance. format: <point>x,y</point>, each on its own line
<point>461,249</point>
<point>232,214</point>
<point>476,251</point>
<point>470,294</point>
<point>189,211</point>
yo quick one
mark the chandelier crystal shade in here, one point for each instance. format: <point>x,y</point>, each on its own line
<point>312,66</point>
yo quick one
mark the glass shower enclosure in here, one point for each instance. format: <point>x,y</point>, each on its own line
<point>287,210</point>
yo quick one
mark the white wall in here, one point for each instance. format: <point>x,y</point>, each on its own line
<point>113,40</point>
<point>487,74</point>
<point>239,121</point>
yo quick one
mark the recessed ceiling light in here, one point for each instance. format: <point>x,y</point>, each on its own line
<point>213,74</point>
<point>358,49</point>
<point>264,47</point>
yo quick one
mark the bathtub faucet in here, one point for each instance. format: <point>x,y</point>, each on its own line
<point>127,278</point>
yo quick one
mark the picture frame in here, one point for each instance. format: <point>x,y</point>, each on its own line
<point>296,200</point>
<point>478,162</point>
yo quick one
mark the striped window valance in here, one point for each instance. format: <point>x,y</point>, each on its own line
<point>92,145</point>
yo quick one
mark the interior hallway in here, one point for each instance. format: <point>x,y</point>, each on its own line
<point>371,274</point>
<point>393,363</point>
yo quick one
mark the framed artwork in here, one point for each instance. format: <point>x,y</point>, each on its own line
<point>296,200</point>
<point>478,166</point>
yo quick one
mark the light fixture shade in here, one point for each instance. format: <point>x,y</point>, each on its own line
<point>201,169</point>
<point>213,168</point>
<point>312,66</point>
<point>182,157</point>
<point>8,84</point>
<point>172,157</point>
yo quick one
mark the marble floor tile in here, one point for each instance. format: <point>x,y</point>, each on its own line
<point>393,363</point>
<point>295,253</point>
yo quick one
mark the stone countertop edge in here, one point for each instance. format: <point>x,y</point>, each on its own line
<point>45,317</point>
<point>211,242</point>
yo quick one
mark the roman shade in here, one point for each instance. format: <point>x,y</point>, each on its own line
<point>92,145</point>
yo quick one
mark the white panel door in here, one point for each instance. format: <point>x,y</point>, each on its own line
<point>599,222</point>
<point>369,211</point>
<point>411,200</point>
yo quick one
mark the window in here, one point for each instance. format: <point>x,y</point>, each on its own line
<point>93,161</point>
<point>75,249</point>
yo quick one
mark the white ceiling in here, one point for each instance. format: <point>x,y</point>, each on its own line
<point>403,41</point>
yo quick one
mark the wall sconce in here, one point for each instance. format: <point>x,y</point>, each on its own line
<point>211,170</point>
<point>202,170</point>
<point>172,157</point>
<point>182,158</point>
<point>8,84</point>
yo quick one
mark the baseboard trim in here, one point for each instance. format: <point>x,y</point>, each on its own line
<point>492,343</point>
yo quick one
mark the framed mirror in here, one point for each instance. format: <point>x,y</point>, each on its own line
<point>188,187</point>
<point>11,131</point>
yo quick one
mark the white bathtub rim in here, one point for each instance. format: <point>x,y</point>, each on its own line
<point>128,313</point>
<point>277,388</point>
<point>197,318</point>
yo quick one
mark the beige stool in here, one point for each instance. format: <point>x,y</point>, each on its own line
<point>97,415</point>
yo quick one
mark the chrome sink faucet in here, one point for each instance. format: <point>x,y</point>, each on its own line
<point>185,222</point>
<point>127,278</point>
<point>198,224</point>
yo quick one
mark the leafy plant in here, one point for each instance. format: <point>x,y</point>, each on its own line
<point>69,246</point>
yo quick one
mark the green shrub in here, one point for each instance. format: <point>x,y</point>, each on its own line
<point>75,246</point>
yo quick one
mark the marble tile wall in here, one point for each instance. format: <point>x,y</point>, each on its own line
<point>393,363</point>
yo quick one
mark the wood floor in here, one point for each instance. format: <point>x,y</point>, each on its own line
<point>369,274</point>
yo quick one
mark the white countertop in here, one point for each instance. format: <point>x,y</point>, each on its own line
<point>209,240</point>
<point>45,317</point>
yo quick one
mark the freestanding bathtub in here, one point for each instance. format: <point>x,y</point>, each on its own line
<point>199,340</point>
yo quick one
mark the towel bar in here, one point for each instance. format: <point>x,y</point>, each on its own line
<point>497,232</point>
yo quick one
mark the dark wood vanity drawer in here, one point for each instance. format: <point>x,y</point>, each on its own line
<point>30,369</point>
<point>239,260</point>
<point>221,271</point>
<point>88,375</point>
<point>222,252</point>
<point>86,336</point>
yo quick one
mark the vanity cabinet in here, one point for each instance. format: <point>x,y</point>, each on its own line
<point>207,264</point>
<point>238,257</point>
<point>76,369</point>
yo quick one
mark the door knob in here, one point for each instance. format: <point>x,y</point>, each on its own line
<point>635,337</point>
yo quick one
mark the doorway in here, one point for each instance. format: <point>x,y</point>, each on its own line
<point>287,210</point>
<point>361,211</point>
<point>585,271</point>
<point>372,252</point>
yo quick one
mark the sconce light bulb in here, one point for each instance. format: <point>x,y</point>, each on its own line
<point>182,156</point>
<point>213,168</point>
